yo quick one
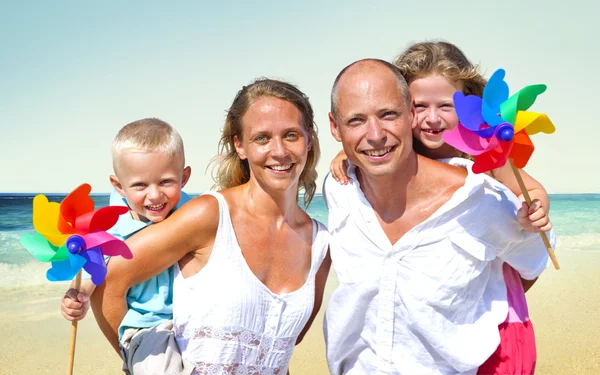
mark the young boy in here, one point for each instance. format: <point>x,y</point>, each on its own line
<point>149,166</point>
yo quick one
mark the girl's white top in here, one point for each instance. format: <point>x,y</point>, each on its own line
<point>227,321</point>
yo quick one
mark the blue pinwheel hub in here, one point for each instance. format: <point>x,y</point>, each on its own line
<point>75,244</point>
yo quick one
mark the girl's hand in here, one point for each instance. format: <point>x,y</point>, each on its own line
<point>338,168</point>
<point>534,218</point>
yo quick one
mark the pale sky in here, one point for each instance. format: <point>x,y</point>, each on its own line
<point>73,73</point>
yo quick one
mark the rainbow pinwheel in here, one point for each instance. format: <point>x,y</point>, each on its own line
<point>497,127</point>
<point>72,235</point>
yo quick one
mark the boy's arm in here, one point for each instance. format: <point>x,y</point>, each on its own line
<point>192,228</point>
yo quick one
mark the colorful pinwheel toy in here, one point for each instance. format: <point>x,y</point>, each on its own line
<point>72,235</point>
<point>495,129</point>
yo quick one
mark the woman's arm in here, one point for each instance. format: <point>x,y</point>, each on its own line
<point>320,282</point>
<point>192,228</point>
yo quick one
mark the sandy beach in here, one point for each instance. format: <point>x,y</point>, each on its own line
<point>564,307</point>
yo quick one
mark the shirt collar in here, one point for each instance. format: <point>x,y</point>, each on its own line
<point>127,225</point>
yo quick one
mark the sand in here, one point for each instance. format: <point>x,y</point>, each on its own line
<point>564,307</point>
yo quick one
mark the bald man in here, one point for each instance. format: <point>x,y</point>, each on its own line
<point>418,245</point>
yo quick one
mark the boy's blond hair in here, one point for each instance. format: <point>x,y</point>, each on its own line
<point>148,135</point>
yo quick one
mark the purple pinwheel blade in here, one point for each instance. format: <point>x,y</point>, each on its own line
<point>95,264</point>
<point>65,269</point>
<point>468,110</point>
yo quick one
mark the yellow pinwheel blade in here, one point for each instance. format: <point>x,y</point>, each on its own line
<point>45,220</point>
<point>533,123</point>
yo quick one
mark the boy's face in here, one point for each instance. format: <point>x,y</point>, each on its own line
<point>151,182</point>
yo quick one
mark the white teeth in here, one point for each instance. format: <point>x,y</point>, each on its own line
<point>378,152</point>
<point>155,207</point>
<point>280,167</point>
<point>433,131</point>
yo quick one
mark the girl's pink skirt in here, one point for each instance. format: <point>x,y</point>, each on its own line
<point>516,354</point>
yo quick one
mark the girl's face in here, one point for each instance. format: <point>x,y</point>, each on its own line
<point>434,108</point>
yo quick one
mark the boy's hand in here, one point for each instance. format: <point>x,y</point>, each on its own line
<point>74,305</point>
<point>534,218</point>
<point>338,168</point>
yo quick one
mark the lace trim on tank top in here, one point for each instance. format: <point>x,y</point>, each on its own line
<point>264,345</point>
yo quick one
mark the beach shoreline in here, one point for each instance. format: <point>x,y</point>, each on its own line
<point>563,307</point>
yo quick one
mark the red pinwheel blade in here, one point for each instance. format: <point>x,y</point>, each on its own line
<point>492,159</point>
<point>109,244</point>
<point>101,219</point>
<point>77,203</point>
<point>521,150</point>
<point>95,264</point>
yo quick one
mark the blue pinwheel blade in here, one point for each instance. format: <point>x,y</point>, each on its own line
<point>495,93</point>
<point>95,264</point>
<point>65,269</point>
<point>485,133</point>
<point>468,110</point>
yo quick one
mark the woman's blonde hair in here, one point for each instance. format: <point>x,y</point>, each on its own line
<point>230,169</point>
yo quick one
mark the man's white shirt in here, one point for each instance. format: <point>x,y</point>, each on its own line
<point>432,302</point>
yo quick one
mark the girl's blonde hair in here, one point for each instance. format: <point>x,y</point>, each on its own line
<point>230,169</point>
<point>446,59</point>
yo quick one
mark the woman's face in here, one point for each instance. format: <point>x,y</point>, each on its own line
<point>434,108</point>
<point>275,143</point>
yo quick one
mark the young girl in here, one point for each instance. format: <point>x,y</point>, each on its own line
<point>434,72</point>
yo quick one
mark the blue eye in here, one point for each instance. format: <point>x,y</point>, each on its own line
<point>292,136</point>
<point>261,138</point>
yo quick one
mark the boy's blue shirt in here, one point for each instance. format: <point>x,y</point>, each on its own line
<point>150,302</point>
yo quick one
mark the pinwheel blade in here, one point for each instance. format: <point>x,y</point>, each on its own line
<point>533,123</point>
<point>95,264</point>
<point>42,249</point>
<point>521,101</point>
<point>521,150</point>
<point>110,245</point>
<point>77,203</point>
<point>495,93</point>
<point>66,269</point>
<point>467,141</point>
<point>45,220</point>
<point>100,220</point>
<point>468,110</point>
<point>492,159</point>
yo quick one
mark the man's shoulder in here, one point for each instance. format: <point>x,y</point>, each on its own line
<point>334,192</point>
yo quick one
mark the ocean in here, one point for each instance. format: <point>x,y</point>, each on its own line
<point>576,220</point>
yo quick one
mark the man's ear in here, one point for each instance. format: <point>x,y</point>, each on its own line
<point>185,176</point>
<point>114,181</point>
<point>413,112</point>
<point>333,126</point>
<point>239,148</point>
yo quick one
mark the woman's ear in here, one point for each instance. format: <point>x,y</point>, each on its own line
<point>239,148</point>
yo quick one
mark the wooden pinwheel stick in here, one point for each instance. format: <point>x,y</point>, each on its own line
<point>528,201</point>
<point>73,331</point>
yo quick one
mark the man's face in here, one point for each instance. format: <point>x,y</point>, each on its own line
<point>374,122</point>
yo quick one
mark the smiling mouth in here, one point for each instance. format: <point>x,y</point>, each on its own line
<point>156,207</point>
<point>379,153</point>
<point>433,131</point>
<point>280,168</point>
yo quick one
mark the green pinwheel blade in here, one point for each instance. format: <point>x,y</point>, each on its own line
<point>521,101</point>
<point>43,250</point>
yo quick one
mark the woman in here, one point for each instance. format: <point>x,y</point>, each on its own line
<point>252,264</point>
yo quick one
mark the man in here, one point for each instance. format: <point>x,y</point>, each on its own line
<point>417,245</point>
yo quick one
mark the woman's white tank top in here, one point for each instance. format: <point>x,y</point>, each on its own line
<point>227,321</point>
